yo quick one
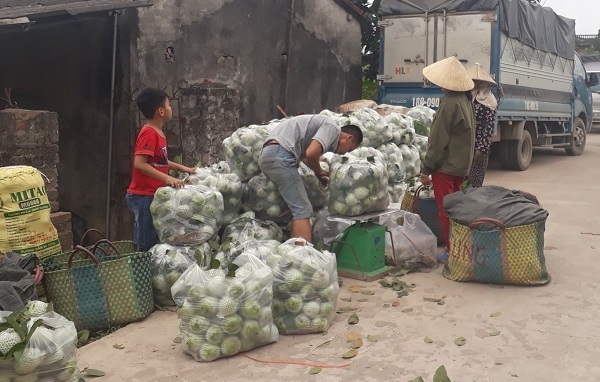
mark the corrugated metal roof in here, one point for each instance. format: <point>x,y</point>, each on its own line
<point>10,9</point>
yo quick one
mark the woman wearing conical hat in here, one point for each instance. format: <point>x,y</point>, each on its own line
<point>452,137</point>
<point>485,118</point>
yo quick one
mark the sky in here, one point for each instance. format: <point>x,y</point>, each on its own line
<point>585,13</point>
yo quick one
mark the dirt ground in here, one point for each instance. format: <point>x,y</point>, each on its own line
<point>548,333</point>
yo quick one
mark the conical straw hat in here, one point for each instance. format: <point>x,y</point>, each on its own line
<point>478,73</point>
<point>449,74</point>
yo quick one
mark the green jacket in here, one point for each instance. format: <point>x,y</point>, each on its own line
<point>452,138</point>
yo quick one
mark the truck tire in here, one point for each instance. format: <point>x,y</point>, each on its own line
<point>578,138</point>
<point>516,155</point>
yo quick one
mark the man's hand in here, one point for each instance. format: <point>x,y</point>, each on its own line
<point>174,182</point>
<point>478,158</point>
<point>425,180</point>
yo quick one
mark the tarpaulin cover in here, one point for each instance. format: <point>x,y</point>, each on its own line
<point>530,23</point>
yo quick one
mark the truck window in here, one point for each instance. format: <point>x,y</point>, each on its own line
<point>579,69</point>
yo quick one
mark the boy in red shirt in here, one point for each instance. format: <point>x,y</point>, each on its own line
<point>151,165</point>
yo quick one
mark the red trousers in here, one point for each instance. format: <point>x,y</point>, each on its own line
<point>444,184</point>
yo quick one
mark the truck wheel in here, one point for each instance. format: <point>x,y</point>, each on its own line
<point>516,155</point>
<point>578,138</point>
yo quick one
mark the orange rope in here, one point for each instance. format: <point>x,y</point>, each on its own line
<point>295,362</point>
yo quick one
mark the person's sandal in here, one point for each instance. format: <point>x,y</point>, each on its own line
<point>442,257</point>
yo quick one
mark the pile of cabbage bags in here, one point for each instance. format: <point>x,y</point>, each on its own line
<point>221,315</point>
<point>263,198</point>
<point>259,248</point>
<point>411,158</point>
<point>187,216</point>
<point>422,119</point>
<point>421,144</point>
<point>247,227</point>
<point>403,131</point>
<point>394,160</point>
<point>374,128</point>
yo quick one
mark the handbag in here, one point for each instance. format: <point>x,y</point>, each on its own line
<point>99,292</point>
<point>513,255</point>
<point>426,209</point>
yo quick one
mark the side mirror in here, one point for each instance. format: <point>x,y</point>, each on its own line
<point>592,80</point>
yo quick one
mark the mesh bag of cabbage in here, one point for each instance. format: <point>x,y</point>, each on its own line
<point>50,354</point>
<point>394,161</point>
<point>317,194</point>
<point>358,185</point>
<point>246,227</point>
<point>242,149</point>
<point>259,248</point>
<point>422,119</point>
<point>403,132</point>
<point>305,287</point>
<point>262,196</point>
<point>169,262</point>
<point>187,216</point>
<point>229,185</point>
<point>374,128</point>
<point>221,315</point>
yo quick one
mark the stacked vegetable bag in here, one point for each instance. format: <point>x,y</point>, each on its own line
<point>187,216</point>
<point>358,185</point>
<point>223,313</point>
<point>229,185</point>
<point>37,345</point>
<point>168,264</point>
<point>317,194</point>
<point>262,196</point>
<point>259,248</point>
<point>374,128</point>
<point>403,131</point>
<point>422,119</point>
<point>305,289</point>
<point>246,227</point>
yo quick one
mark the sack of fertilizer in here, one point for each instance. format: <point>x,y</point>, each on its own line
<point>374,128</point>
<point>247,227</point>
<point>168,263</point>
<point>37,345</point>
<point>358,186</point>
<point>25,225</point>
<point>242,149</point>
<point>229,185</point>
<point>190,215</point>
<point>403,131</point>
<point>305,287</point>
<point>263,198</point>
<point>224,312</point>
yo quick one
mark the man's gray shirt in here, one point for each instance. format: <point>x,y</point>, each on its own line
<point>295,134</point>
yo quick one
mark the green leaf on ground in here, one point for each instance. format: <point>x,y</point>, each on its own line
<point>350,353</point>
<point>407,310</point>
<point>428,340</point>
<point>347,309</point>
<point>367,292</point>
<point>314,370</point>
<point>372,338</point>
<point>362,300</point>
<point>347,299</point>
<point>460,341</point>
<point>119,346</point>
<point>432,299</point>
<point>495,286</point>
<point>418,379</point>
<point>178,340</point>
<point>83,336</point>
<point>93,373</point>
<point>386,305</point>
<point>494,333</point>
<point>496,314</point>
<point>441,375</point>
<point>353,319</point>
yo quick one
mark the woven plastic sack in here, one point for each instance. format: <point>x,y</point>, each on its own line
<point>512,255</point>
<point>374,128</point>
<point>259,248</point>
<point>247,227</point>
<point>358,186</point>
<point>222,316</point>
<point>263,198</point>
<point>168,264</point>
<point>25,225</point>
<point>229,185</point>
<point>187,216</point>
<point>242,149</point>
<point>317,194</point>
<point>422,119</point>
<point>403,132</point>
<point>305,289</point>
<point>50,355</point>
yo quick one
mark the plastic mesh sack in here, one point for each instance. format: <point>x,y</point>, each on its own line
<point>403,131</point>
<point>421,144</point>
<point>222,316</point>
<point>394,161</point>
<point>50,355</point>
<point>187,216</point>
<point>263,198</point>
<point>422,119</point>
<point>247,227</point>
<point>358,186</point>
<point>168,264</point>
<point>260,248</point>
<point>411,159</point>
<point>317,195</point>
<point>229,185</point>
<point>374,128</point>
<point>305,289</point>
<point>397,191</point>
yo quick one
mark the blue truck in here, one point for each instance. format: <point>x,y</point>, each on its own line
<point>543,88</point>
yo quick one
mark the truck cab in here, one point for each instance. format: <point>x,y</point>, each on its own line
<point>592,67</point>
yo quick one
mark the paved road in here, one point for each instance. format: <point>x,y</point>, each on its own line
<point>549,333</point>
